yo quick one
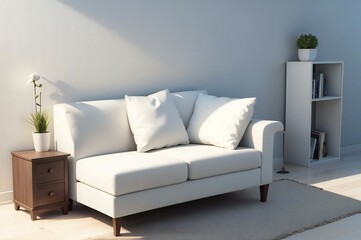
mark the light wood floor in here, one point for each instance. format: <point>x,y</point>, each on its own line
<point>342,177</point>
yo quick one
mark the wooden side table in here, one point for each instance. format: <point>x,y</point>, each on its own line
<point>40,181</point>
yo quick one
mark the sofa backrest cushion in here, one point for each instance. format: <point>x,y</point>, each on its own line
<point>220,121</point>
<point>99,127</point>
<point>155,121</point>
<point>185,103</point>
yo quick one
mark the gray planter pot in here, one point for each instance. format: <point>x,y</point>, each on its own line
<point>306,55</point>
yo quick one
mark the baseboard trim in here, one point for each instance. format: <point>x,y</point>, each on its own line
<point>351,149</point>
<point>6,197</point>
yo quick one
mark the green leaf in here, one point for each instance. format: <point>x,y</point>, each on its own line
<point>307,41</point>
<point>40,121</point>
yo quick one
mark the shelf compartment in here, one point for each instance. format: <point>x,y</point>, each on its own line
<point>326,98</point>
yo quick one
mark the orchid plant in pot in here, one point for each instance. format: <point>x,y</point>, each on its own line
<point>39,118</point>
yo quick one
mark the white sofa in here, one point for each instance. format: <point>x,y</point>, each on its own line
<point>108,174</point>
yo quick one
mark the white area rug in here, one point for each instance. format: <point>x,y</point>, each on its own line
<point>346,228</point>
<point>291,208</point>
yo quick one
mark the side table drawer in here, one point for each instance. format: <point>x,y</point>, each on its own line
<point>50,171</point>
<point>50,193</point>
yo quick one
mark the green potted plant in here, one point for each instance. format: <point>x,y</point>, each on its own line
<point>307,44</point>
<point>39,119</point>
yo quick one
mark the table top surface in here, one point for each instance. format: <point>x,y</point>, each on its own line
<point>33,155</point>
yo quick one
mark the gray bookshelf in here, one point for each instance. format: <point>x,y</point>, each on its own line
<point>304,114</point>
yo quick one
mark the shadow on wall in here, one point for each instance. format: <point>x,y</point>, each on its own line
<point>174,26</point>
<point>196,40</point>
<point>215,44</point>
<point>65,93</point>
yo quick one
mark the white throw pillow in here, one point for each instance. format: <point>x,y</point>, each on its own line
<point>155,121</point>
<point>220,121</point>
<point>184,102</point>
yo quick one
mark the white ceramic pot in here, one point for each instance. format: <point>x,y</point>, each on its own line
<point>306,55</point>
<point>41,141</point>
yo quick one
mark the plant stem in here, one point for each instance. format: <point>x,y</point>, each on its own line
<point>36,108</point>
<point>40,101</point>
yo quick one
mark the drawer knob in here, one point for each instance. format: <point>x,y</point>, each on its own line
<point>51,194</point>
<point>50,170</point>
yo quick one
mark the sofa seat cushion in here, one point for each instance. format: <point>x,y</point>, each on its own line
<point>207,161</point>
<point>126,172</point>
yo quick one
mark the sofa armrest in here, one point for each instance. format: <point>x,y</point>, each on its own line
<point>260,135</point>
<point>63,141</point>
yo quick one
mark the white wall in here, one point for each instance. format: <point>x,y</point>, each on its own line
<point>89,49</point>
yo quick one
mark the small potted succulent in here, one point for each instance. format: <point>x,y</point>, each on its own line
<point>307,44</point>
<point>39,118</point>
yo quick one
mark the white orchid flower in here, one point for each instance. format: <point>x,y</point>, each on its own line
<point>39,119</point>
<point>33,77</point>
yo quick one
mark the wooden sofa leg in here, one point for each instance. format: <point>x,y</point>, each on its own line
<point>70,204</point>
<point>116,226</point>
<point>264,192</point>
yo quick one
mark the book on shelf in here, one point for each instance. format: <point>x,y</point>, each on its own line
<point>312,146</point>
<point>318,85</point>
<point>320,144</point>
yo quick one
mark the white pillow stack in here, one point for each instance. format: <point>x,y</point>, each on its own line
<point>155,121</point>
<point>184,102</point>
<point>220,121</point>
